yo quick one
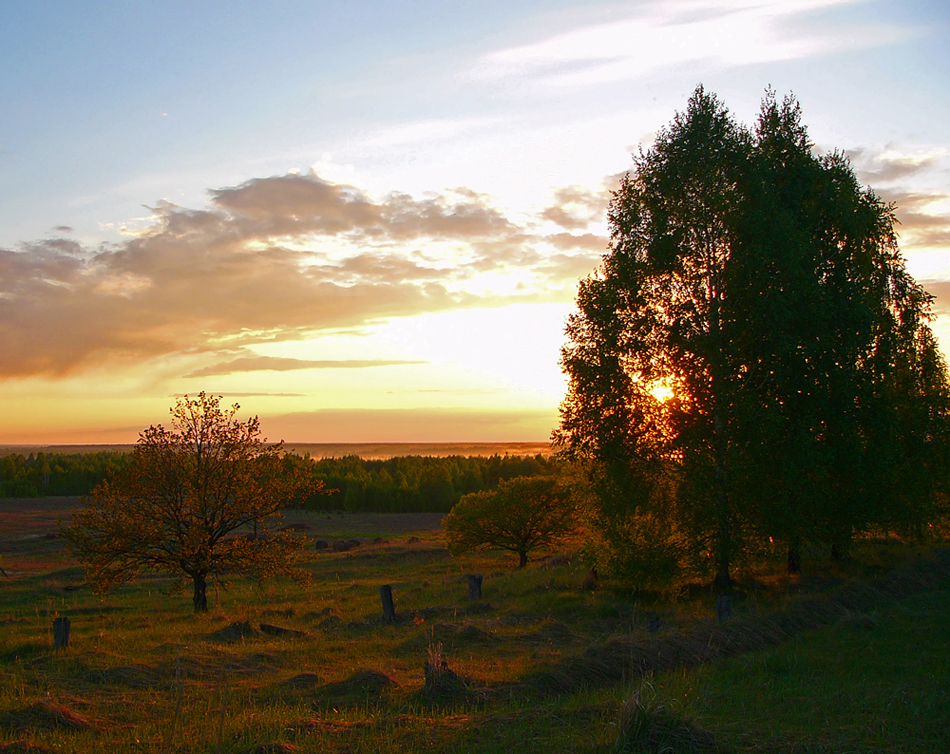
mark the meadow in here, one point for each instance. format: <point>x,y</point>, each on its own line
<point>850,657</point>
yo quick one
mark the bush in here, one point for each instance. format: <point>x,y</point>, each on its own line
<point>521,515</point>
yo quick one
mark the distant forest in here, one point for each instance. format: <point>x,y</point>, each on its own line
<point>400,484</point>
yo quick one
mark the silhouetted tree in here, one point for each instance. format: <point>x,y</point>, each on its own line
<point>197,502</point>
<point>751,339</point>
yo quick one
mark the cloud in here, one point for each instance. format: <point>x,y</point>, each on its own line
<point>874,166</point>
<point>924,218</point>
<point>940,290</point>
<point>278,364</point>
<point>662,35</point>
<point>294,205</point>
<point>279,258</point>
<point>576,207</point>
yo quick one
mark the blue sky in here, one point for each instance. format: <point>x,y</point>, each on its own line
<point>367,221</point>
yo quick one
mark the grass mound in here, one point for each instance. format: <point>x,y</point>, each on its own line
<point>237,631</point>
<point>46,715</point>
<point>649,727</point>
<point>130,676</point>
<point>627,657</point>
<point>363,687</point>
<point>301,681</point>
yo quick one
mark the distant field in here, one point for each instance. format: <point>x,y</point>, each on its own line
<point>369,451</point>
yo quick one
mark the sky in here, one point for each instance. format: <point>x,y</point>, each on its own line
<point>366,222</point>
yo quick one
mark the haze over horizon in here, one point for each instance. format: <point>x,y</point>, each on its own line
<point>367,224</point>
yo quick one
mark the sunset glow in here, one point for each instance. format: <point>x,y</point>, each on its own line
<point>367,224</point>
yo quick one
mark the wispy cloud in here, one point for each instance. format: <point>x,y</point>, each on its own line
<point>876,166</point>
<point>924,218</point>
<point>924,215</point>
<point>279,364</point>
<point>726,33</point>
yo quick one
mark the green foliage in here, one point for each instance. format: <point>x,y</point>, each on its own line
<point>180,505</point>
<point>521,515</point>
<point>411,483</point>
<point>51,474</point>
<point>753,347</point>
<point>400,484</point>
<point>635,537</point>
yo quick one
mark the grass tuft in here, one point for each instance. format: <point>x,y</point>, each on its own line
<point>646,725</point>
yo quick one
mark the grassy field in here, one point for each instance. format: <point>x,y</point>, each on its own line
<point>543,663</point>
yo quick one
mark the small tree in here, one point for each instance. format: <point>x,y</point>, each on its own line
<point>521,515</point>
<point>197,502</point>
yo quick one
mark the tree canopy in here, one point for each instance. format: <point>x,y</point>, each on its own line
<point>521,515</point>
<point>752,354</point>
<point>197,501</point>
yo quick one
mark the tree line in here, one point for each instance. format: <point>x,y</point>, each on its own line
<point>403,484</point>
<point>50,474</point>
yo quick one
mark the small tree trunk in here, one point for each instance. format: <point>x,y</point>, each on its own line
<point>389,607</point>
<point>522,559</point>
<point>794,565</point>
<point>201,592</point>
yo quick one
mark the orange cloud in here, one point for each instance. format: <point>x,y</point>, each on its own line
<point>924,220</point>
<point>275,258</point>
<point>278,364</point>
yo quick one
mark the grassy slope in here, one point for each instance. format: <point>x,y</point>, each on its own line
<point>147,675</point>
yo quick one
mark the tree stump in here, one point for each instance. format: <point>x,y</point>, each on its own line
<point>389,608</point>
<point>61,632</point>
<point>474,586</point>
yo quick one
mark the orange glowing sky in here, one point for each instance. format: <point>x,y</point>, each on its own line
<point>366,222</point>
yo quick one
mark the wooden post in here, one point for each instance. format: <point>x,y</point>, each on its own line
<point>389,608</point>
<point>474,586</point>
<point>61,632</point>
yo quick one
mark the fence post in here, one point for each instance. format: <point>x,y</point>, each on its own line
<point>61,632</point>
<point>389,608</point>
<point>723,607</point>
<point>474,586</point>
